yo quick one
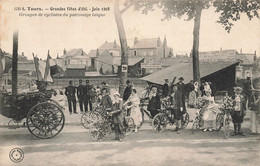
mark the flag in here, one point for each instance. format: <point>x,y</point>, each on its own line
<point>40,68</point>
<point>47,73</point>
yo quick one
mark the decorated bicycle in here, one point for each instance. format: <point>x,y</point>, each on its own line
<point>104,126</point>
<point>166,116</point>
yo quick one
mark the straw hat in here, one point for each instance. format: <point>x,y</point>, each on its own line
<point>238,89</point>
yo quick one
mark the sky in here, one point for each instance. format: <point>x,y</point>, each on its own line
<point>39,34</point>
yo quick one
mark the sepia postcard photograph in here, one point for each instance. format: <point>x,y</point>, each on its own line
<point>129,82</point>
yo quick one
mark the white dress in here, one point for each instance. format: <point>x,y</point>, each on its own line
<point>210,113</point>
<point>135,110</point>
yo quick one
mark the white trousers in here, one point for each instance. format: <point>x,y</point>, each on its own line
<point>254,122</point>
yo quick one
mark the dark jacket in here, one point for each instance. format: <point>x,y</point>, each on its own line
<point>106,102</point>
<point>80,91</point>
<point>70,92</point>
<point>127,93</point>
<point>86,91</point>
<point>154,103</point>
<point>165,90</point>
<point>181,89</point>
<point>176,101</point>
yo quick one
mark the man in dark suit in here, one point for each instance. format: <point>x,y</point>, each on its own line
<point>80,95</point>
<point>127,91</point>
<point>177,107</point>
<point>87,97</point>
<point>70,93</point>
<point>181,88</point>
<point>165,88</point>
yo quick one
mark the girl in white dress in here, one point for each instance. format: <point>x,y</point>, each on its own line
<point>210,113</point>
<point>133,104</point>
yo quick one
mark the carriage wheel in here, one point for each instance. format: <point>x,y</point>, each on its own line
<point>88,118</point>
<point>185,120</point>
<point>45,120</point>
<point>195,125</point>
<point>99,130</point>
<point>129,123</point>
<point>227,128</point>
<point>219,121</point>
<point>159,123</point>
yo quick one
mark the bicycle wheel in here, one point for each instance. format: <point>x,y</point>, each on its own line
<point>195,125</point>
<point>219,121</point>
<point>88,118</point>
<point>159,123</point>
<point>185,120</point>
<point>227,128</point>
<point>129,124</point>
<point>99,131</point>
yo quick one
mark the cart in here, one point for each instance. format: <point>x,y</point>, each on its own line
<point>44,117</point>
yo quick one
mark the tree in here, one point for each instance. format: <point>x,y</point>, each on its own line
<point>123,42</point>
<point>229,10</point>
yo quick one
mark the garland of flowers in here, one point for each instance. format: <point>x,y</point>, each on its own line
<point>228,105</point>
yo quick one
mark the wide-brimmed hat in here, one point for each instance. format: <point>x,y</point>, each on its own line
<point>181,78</point>
<point>238,89</point>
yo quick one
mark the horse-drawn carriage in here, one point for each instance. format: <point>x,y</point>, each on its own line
<point>44,117</point>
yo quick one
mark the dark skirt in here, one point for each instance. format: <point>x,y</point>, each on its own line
<point>118,118</point>
<point>237,116</point>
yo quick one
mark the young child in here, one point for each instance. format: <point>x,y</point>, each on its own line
<point>210,113</point>
<point>238,110</point>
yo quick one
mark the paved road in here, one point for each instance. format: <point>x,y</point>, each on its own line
<point>74,146</point>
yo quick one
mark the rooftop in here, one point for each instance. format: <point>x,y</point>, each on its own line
<point>185,70</point>
<point>146,43</point>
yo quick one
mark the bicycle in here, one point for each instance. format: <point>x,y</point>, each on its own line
<point>223,120</point>
<point>165,117</point>
<point>100,129</point>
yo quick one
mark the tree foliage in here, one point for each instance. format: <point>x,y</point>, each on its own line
<point>230,10</point>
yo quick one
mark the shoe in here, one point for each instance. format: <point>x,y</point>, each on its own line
<point>178,132</point>
<point>117,138</point>
<point>233,134</point>
<point>205,130</point>
<point>70,113</point>
<point>135,130</point>
<point>81,112</point>
<point>76,113</point>
<point>210,129</point>
<point>120,139</point>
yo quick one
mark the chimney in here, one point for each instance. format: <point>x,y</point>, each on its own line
<point>241,51</point>
<point>57,56</point>
<point>135,41</point>
<point>64,51</point>
<point>220,48</point>
<point>158,42</point>
<point>165,41</point>
<point>22,53</point>
<point>97,53</point>
<point>255,56</point>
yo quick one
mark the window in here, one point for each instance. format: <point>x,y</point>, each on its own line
<point>111,53</point>
<point>135,54</point>
<point>92,62</point>
<point>151,61</point>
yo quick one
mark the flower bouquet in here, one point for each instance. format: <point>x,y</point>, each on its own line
<point>228,105</point>
<point>201,102</point>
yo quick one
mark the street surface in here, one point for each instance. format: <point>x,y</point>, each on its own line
<point>74,146</point>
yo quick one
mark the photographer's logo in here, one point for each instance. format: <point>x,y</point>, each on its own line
<point>16,155</point>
